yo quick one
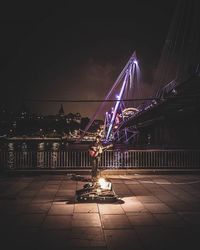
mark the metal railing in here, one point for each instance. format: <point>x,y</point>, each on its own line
<point>109,159</point>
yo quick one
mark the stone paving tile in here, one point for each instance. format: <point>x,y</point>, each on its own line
<point>110,209</point>
<point>54,239</point>
<point>189,188</point>
<point>57,222</point>
<point>115,221</point>
<point>159,212</point>
<point>131,182</point>
<point>23,201</point>
<point>87,248</point>
<point>121,189</point>
<point>46,192</point>
<point>153,188</point>
<point>161,181</point>
<point>130,205</point>
<point>42,199</point>
<point>87,237</point>
<point>11,193</point>
<point>170,220</point>
<point>37,208</point>
<point>180,193</point>
<point>8,222</point>
<point>67,185</point>
<point>181,238</point>
<point>116,180</point>
<point>85,208</point>
<point>44,196</point>
<point>66,193</point>
<point>74,243</point>
<point>89,233</point>
<point>188,197</point>
<point>11,207</point>
<point>30,220</point>
<point>180,206</point>
<point>34,187</point>
<point>167,197</point>
<point>86,220</point>
<point>79,185</point>
<point>141,219</point>
<point>153,237</point>
<point>61,201</point>
<point>147,199</point>
<point>20,239</point>
<point>122,239</point>
<point>195,206</point>
<point>191,218</point>
<point>158,208</point>
<point>27,193</point>
<point>139,190</point>
<point>54,183</point>
<point>66,209</point>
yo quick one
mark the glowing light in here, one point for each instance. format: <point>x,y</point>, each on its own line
<point>135,61</point>
<point>116,106</point>
<point>174,91</point>
<point>118,97</point>
<point>104,184</point>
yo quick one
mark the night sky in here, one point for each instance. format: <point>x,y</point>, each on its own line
<point>77,51</point>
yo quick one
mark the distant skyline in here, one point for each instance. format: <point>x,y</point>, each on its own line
<point>77,51</point>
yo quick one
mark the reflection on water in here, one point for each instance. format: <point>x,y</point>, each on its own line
<point>34,146</point>
<point>43,154</point>
<point>41,146</point>
<point>11,156</point>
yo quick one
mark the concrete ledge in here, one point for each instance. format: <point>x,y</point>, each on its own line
<point>148,171</point>
<point>87,171</point>
<point>46,171</point>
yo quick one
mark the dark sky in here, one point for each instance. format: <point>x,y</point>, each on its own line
<point>77,51</point>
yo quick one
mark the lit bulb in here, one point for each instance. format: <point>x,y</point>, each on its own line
<point>104,184</point>
<point>117,96</point>
<point>135,61</point>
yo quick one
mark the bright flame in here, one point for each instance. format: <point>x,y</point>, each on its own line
<point>104,184</point>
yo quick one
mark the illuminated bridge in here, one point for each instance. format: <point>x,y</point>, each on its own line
<point>168,118</point>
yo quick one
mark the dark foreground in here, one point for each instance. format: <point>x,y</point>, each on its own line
<point>157,212</point>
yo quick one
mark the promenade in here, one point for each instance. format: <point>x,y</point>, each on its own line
<point>158,211</point>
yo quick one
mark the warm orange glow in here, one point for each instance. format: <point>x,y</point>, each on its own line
<point>104,184</point>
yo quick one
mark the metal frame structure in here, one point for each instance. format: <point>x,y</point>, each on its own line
<point>110,159</point>
<point>126,85</point>
<point>130,77</point>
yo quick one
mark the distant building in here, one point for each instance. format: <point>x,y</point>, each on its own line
<point>61,111</point>
<point>69,117</point>
<point>77,118</point>
<point>23,112</point>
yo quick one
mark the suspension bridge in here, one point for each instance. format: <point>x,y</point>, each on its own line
<point>179,62</point>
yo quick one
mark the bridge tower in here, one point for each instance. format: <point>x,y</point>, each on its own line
<point>128,88</point>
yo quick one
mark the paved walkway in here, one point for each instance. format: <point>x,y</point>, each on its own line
<point>159,212</point>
